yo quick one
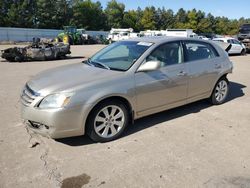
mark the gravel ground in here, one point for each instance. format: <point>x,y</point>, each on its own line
<point>197,145</point>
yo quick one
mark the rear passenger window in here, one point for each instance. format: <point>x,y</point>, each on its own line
<point>199,50</point>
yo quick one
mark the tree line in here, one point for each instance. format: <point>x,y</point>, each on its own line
<point>54,14</point>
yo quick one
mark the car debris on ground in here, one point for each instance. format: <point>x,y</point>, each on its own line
<point>37,51</point>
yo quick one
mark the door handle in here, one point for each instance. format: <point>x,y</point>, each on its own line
<point>182,73</point>
<point>217,66</point>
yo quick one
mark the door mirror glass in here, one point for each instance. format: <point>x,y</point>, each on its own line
<point>149,66</point>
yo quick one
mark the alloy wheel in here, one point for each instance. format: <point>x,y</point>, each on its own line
<point>109,121</point>
<point>221,91</point>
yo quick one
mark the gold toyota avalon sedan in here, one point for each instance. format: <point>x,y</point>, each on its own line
<point>125,81</point>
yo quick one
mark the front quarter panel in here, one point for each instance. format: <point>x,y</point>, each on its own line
<point>123,86</point>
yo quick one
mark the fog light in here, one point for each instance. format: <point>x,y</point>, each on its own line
<point>37,125</point>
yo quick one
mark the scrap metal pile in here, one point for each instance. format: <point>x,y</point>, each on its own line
<point>37,51</point>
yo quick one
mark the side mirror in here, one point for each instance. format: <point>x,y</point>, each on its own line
<point>149,66</point>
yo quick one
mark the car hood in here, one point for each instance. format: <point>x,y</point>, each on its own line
<point>66,78</point>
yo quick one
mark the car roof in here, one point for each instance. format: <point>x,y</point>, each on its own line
<point>224,38</point>
<point>162,39</point>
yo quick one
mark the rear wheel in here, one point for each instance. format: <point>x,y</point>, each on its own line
<point>243,52</point>
<point>220,92</point>
<point>107,121</point>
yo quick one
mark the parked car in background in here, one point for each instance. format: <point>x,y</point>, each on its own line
<point>210,36</point>
<point>237,46</point>
<point>203,37</point>
<point>125,81</point>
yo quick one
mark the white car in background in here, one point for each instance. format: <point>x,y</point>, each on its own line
<point>203,37</point>
<point>237,46</point>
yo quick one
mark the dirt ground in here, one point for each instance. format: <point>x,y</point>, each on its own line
<point>197,145</point>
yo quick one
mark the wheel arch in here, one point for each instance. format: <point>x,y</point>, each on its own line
<point>224,75</point>
<point>121,99</point>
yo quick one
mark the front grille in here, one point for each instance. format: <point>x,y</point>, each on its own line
<point>28,95</point>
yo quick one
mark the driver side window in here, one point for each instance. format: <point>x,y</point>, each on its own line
<point>167,54</point>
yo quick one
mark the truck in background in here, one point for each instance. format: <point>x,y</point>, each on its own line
<point>244,36</point>
<point>117,34</point>
<point>151,33</point>
<point>170,33</point>
<point>180,33</point>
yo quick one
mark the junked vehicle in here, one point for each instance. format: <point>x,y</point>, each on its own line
<point>37,51</point>
<point>125,81</point>
<point>237,46</point>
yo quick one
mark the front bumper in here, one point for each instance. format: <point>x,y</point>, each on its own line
<point>56,123</point>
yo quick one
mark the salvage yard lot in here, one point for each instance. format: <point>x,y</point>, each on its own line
<point>197,145</point>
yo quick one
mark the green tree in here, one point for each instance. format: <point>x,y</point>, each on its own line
<point>213,21</point>
<point>166,19</point>
<point>52,14</point>
<point>115,13</point>
<point>192,20</point>
<point>204,26</point>
<point>222,25</point>
<point>88,15</point>
<point>181,16</point>
<point>19,13</point>
<point>148,18</point>
<point>130,19</point>
<point>139,14</point>
<point>4,9</point>
<point>233,27</point>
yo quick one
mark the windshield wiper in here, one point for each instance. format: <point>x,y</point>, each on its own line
<point>92,63</point>
<point>88,62</point>
<point>100,65</point>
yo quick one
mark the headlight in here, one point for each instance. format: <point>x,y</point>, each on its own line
<point>55,100</point>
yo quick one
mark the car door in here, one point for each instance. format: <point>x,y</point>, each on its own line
<point>238,46</point>
<point>201,61</point>
<point>234,49</point>
<point>163,88</point>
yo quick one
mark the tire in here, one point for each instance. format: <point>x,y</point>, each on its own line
<point>107,121</point>
<point>56,55</point>
<point>220,92</point>
<point>243,52</point>
<point>71,41</point>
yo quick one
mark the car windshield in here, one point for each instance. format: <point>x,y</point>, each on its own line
<point>119,55</point>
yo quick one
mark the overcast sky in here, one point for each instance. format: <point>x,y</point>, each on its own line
<point>229,8</point>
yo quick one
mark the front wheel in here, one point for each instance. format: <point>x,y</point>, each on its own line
<point>220,92</point>
<point>107,121</point>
